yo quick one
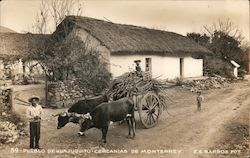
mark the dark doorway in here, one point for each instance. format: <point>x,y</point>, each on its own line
<point>181,67</point>
<point>148,66</point>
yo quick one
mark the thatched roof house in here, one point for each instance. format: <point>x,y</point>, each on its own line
<point>165,54</point>
<point>18,53</point>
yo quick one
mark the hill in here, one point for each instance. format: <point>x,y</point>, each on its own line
<point>5,29</point>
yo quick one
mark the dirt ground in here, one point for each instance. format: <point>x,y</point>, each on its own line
<point>220,130</point>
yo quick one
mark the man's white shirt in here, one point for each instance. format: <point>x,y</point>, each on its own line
<point>32,112</point>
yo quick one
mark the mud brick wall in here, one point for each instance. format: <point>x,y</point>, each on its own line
<point>63,94</point>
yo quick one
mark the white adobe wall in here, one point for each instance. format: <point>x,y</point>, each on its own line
<point>1,69</point>
<point>36,70</point>
<point>1,65</point>
<point>193,67</point>
<point>162,67</point>
<point>17,67</point>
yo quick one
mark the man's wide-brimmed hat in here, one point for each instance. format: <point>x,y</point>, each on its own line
<point>34,97</point>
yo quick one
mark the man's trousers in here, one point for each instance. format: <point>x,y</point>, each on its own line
<point>34,134</point>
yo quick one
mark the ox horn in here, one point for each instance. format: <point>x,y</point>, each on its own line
<point>60,113</point>
<point>65,113</point>
<point>87,116</point>
<point>54,115</point>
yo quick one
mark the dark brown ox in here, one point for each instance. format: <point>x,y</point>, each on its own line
<point>80,107</point>
<point>100,117</point>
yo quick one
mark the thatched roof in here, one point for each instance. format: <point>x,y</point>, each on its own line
<point>19,45</point>
<point>128,39</point>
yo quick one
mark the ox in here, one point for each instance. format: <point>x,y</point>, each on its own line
<point>80,107</point>
<point>87,105</point>
<point>100,117</point>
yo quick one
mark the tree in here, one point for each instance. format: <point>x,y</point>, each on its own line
<point>225,26</point>
<point>80,63</point>
<point>227,47</point>
<point>224,40</point>
<point>199,38</point>
<point>52,13</point>
<point>68,57</point>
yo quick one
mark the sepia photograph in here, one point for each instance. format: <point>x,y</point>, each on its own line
<point>124,78</point>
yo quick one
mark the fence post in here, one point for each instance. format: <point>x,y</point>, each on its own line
<point>46,91</point>
<point>11,97</point>
<point>7,98</point>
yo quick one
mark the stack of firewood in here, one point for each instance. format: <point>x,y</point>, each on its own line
<point>131,83</point>
<point>215,82</point>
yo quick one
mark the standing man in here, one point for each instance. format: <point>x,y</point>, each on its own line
<point>138,68</point>
<point>34,113</point>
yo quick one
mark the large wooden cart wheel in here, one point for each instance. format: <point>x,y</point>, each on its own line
<point>149,110</point>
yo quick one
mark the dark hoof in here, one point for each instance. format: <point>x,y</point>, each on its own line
<point>102,141</point>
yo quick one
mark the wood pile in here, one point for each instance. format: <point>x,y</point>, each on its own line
<point>131,83</point>
<point>215,82</point>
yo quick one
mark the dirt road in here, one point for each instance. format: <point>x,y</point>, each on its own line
<point>220,127</point>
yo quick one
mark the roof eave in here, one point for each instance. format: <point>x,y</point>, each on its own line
<point>196,54</point>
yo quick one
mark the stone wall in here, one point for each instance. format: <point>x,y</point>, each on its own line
<point>6,97</point>
<point>63,94</point>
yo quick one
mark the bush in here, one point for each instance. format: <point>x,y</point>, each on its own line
<point>74,60</point>
<point>11,126</point>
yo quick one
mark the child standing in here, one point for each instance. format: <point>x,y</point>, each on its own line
<point>199,99</point>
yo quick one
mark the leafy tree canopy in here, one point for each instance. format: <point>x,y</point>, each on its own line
<point>224,40</point>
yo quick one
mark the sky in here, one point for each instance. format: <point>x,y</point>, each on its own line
<point>170,15</point>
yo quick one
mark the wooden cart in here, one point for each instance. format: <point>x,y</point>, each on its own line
<point>149,108</point>
<point>144,92</point>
